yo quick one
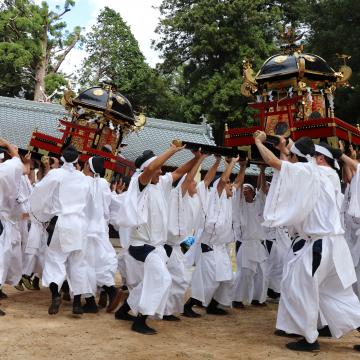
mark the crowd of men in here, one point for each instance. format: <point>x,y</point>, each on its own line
<point>296,238</point>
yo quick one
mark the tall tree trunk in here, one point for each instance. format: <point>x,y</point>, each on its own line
<point>40,72</point>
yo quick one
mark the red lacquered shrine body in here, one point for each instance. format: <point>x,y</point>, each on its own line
<point>293,95</point>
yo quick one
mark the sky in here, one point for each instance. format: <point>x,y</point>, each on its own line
<point>138,14</point>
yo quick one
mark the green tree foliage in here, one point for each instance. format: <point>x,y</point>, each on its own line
<point>33,45</point>
<point>114,55</point>
<point>335,28</point>
<point>209,39</point>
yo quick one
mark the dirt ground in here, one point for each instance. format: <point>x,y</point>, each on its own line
<point>29,333</point>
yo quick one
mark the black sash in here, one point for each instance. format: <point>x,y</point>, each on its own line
<point>140,253</point>
<point>237,246</point>
<point>316,251</point>
<point>168,250</point>
<point>1,228</point>
<point>269,245</point>
<point>205,248</point>
<point>50,229</point>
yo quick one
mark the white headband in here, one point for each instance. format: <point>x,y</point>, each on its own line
<point>296,151</point>
<point>2,155</point>
<point>147,163</point>
<point>249,186</point>
<point>324,151</point>
<point>91,165</point>
<point>69,162</point>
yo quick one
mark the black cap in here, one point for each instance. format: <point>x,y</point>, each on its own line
<point>306,146</point>
<point>146,155</point>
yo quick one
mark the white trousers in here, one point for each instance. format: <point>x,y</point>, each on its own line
<point>205,287</point>
<point>60,266</point>
<point>179,284</point>
<point>149,283</point>
<point>101,260</point>
<point>304,295</point>
<point>10,254</point>
<point>251,280</point>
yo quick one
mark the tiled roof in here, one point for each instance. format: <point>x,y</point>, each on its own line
<point>18,119</point>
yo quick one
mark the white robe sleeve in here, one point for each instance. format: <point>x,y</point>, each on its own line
<point>354,203</point>
<point>41,200</point>
<point>293,194</point>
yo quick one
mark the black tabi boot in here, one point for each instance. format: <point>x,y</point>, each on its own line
<point>123,313</point>
<point>2,313</point>
<point>90,307</point>
<point>139,325</point>
<point>115,297</point>
<point>103,299</point>
<point>188,311</point>
<point>214,310</point>
<point>325,332</point>
<point>36,283</point>
<point>357,347</point>
<point>282,333</point>
<point>77,308</point>
<point>55,299</point>
<point>238,305</point>
<point>258,303</point>
<point>171,318</point>
<point>303,345</point>
<point>66,291</point>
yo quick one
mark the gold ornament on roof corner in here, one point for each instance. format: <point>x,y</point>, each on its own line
<point>249,86</point>
<point>67,98</point>
<point>345,71</point>
<point>140,121</point>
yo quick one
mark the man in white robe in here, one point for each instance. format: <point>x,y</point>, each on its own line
<point>318,278</point>
<point>251,278</point>
<point>63,194</point>
<point>10,242</point>
<point>99,252</point>
<point>211,283</point>
<point>146,212</point>
<point>180,226</point>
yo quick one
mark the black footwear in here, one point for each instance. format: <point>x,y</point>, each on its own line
<point>66,291</point>
<point>66,296</point>
<point>3,295</point>
<point>120,315</point>
<point>213,309</point>
<point>55,305</point>
<point>238,305</point>
<point>273,294</point>
<point>258,303</point>
<point>36,283</point>
<point>123,313</point>
<point>216,311</point>
<point>77,308</point>
<point>90,307</point>
<point>171,318</point>
<point>2,313</point>
<point>140,326</point>
<point>303,345</point>
<point>356,347</point>
<point>102,300</point>
<point>282,333</point>
<point>190,313</point>
<point>325,332</point>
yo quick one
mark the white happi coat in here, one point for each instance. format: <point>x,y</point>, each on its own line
<point>318,277</point>
<point>351,216</point>
<point>146,212</point>
<point>197,209</point>
<point>65,193</point>
<point>212,277</point>
<point>100,254</point>
<point>10,239</point>
<point>180,226</point>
